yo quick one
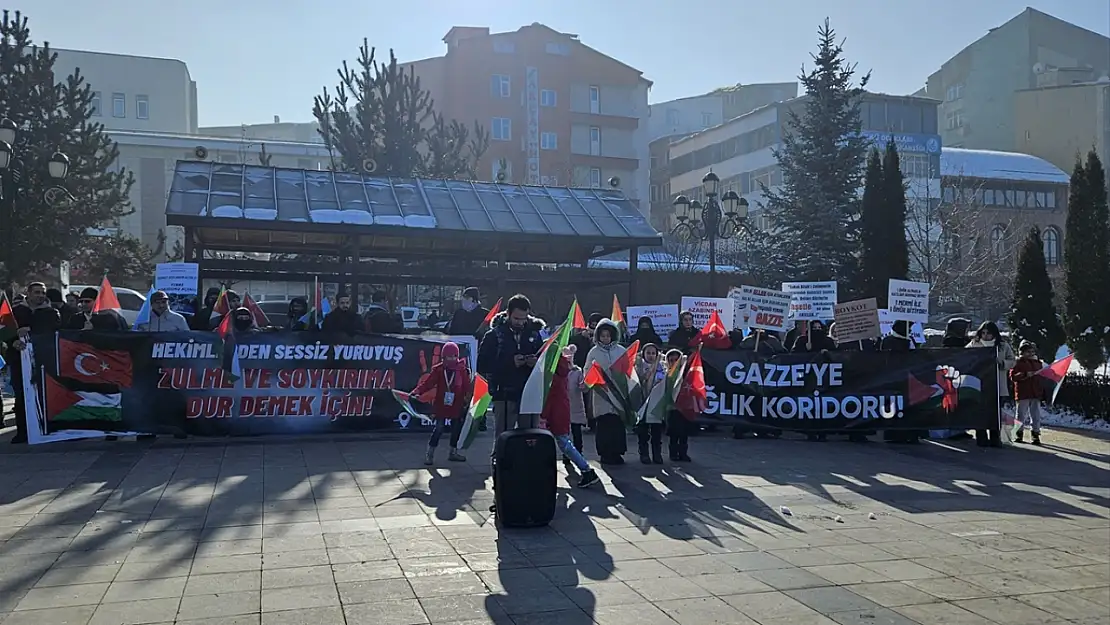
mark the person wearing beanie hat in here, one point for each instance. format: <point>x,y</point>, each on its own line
<point>82,319</point>
<point>448,387</point>
<point>54,296</point>
<point>1027,390</point>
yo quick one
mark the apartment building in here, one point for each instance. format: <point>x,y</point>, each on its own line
<point>978,85</point>
<point>685,116</point>
<point>741,151</point>
<point>300,132</point>
<point>558,111</point>
<point>1062,121</point>
<point>135,93</point>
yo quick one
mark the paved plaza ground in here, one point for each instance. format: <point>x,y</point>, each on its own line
<point>327,532</point>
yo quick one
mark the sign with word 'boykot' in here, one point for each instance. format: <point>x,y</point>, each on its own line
<point>811,300</point>
<point>664,317</point>
<point>857,321</point>
<point>703,307</point>
<point>761,308</point>
<point>908,300</point>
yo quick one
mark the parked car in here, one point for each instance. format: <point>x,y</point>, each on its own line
<point>130,301</point>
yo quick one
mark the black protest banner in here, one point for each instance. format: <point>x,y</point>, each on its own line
<point>175,382</point>
<point>923,389</point>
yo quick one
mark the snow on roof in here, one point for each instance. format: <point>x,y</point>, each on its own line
<point>993,165</point>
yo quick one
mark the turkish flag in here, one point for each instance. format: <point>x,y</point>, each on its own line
<point>90,365</point>
<point>693,396</point>
<point>714,335</point>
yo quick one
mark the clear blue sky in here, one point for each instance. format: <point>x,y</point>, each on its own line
<point>253,59</point>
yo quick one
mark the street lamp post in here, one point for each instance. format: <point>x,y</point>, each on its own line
<point>13,171</point>
<point>716,219</point>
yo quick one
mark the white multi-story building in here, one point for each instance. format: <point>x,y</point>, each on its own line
<point>135,93</point>
<point>685,115</point>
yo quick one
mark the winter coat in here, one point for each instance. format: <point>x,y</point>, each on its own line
<point>202,320</point>
<point>343,322</point>
<point>1006,361</point>
<point>78,321</point>
<point>769,344</point>
<point>437,379</point>
<point>293,321</point>
<point>1030,387</point>
<point>899,339</point>
<point>109,320</point>
<point>955,332</point>
<point>380,321</point>
<point>464,322</point>
<point>576,386</point>
<point>168,321</point>
<point>556,410</point>
<point>582,344</point>
<point>680,338</point>
<point>645,333</point>
<point>604,356</point>
<point>650,374</point>
<point>816,341</point>
<point>496,352</point>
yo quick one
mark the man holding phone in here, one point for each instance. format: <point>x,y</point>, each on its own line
<point>506,356</point>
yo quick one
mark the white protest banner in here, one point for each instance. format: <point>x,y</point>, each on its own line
<point>857,321</point>
<point>702,307</point>
<point>663,316</point>
<point>177,278</point>
<point>811,300</point>
<point>908,300</point>
<point>763,308</point>
<point>886,324</point>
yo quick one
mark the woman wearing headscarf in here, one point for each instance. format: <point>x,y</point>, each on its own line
<point>685,332</point>
<point>989,337</point>
<point>450,380</point>
<point>645,333</point>
<point>608,424</point>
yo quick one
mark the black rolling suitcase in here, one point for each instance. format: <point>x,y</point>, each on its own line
<point>524,474</point>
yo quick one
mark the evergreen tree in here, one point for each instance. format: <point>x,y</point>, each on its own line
<point>1033,315</point>
<point>894,215</point>
<point>871,274</point>
<point>52,117</point>
<point>815,214</point>
<point>382,121</point>
<point>124,259</point>
<point>1086,258</point>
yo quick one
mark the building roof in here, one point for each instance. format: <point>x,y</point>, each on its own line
<point>206,194</point>
<point>993,165</point>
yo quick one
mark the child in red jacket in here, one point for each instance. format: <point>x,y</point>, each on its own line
<point>1028,390</point>
<point>450,378</point>
<point>556,413</point>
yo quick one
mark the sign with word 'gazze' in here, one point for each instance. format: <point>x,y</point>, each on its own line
<point>857,321</point>
<point>811,300</point>
<point>664,317</point>
<point>703,307</point>
<point>908,300</point>
<point>763,308</point>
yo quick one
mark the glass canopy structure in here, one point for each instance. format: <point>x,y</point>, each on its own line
<point>222,195</point>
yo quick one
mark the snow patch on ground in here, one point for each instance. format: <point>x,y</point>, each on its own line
<point>1060,417</point>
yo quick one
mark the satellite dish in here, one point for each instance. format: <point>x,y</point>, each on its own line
<point>614,182</point>
<point>200,152</point>
<point>369,166</point>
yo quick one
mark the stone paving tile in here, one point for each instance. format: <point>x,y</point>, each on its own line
<point>352,532</point>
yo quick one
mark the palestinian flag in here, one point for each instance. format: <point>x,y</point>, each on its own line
<point>260,318</point>
<point>229,355</point>
<point>663,395</point>
<point>405,400</point>
<point>692,398</point>
<point>492,313</point>
<point>106,298</point>
<point>626,383</point>
<point>476,413</point>
<point>945,392</point>
<point>319,309</point>
<point>598,381</point>
<point>63,404</point>
<point>534,397</point>
<point>221,307</point>
<point>9,327</point>
<point>1056,372</point>
<point>579,320</point>
<point>617,317</point>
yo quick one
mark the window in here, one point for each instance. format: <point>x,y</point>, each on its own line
<point>129,301</point>
<point>549,141</point>
<point>1019,199</point>
<point>142,107</point>
<point>954,119</point>
<point>654,193</point>
<point>94,105</point>
<point>954,92</point>
<point>1011,198</point>
<point>998,241</point>
<point>119,105</point>
<point>953,245</point>
<point>706,120</point>
<point>548,97</point>
<point>1051,200</point>
<point>595,141</point>
<point>949,195</point>
<point>500,86</point>
<point>560,49</point>
<point>1051,240</point>
<point>653,162</point>
<point>674,118</point>
<point>595,99</point>
<point>501,46</point>
<point>595,177</point>
<point>502,129</point>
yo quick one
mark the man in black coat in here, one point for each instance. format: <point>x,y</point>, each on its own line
<point>34,315</point>
<point>467,320</point>
<point>343,320</point>
<point>82,318</point>
<point>506,357</point>
<point>378,319</point>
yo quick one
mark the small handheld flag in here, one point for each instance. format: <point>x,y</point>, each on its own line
<point>260,318</point>
<point>106,299</point>
<point>492,313</point>
<point>9,327</point>
<point>144,312</point>
<point>229,355</point>
<point>476,412</point>
<point>617,317</point>
<point>1056,372</point>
